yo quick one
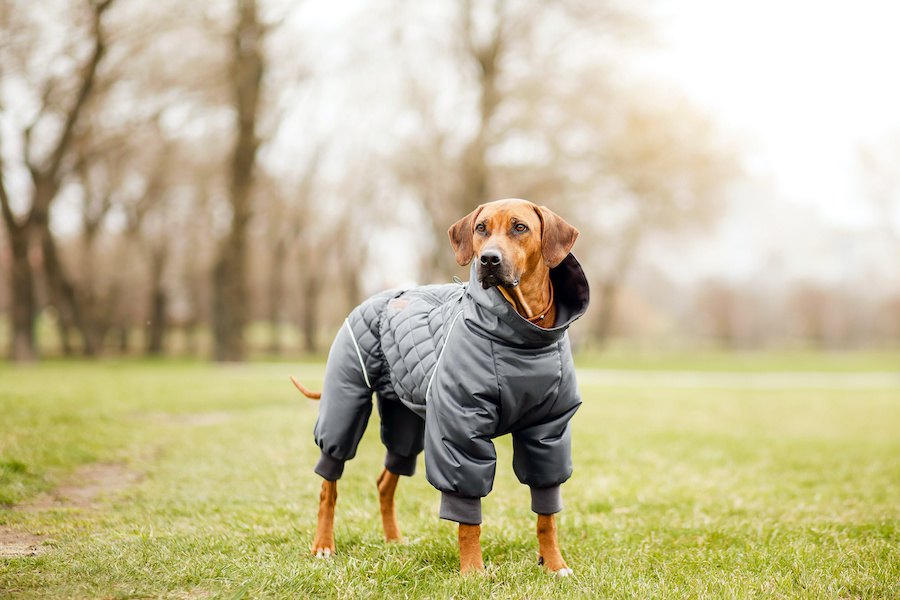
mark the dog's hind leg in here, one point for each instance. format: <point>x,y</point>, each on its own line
<point>323,544</point>
<point>403,434</point>
<point>387,487</point>
<point>470,558</point>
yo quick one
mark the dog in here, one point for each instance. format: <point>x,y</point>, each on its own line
<point>454,366</point>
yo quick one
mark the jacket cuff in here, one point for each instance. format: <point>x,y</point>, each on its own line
<point>546,501</point>
<point>460,509</point>
<point>400,465</point>
<point>329,467</point>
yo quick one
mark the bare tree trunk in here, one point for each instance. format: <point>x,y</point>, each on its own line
<point>229,296</point>
<point>607,299</point>
<point>191,345</point>
<point>64,321</point>
<point>189,326</point>
<point>23,309</point>
<point>99,319</point>
<point>64,291</point>
<point>350,262</point>
<point>310,318</point>
<point>230,304</point>
<point>39,222</point>
<point>23,302</point>
<point>276,291</point>
<point>158,300</point>
<point>156,335</point>
<point>609,288</point>
<point>124,337</point>
<point>92,314</point>
<point>352,287</point>
<point>119,316</point>
<point>46,178</point>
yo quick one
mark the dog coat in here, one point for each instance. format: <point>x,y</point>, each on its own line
<point>453,367</point>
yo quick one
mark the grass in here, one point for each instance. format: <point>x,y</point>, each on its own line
<point>791,493</point>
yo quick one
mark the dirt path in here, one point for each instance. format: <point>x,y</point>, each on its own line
<point>86,488</point>
<point>15,543</point>
<point>83,489</point>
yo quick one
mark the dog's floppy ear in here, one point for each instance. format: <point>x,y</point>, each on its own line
<point>557,236</point>
<point>461,234</point>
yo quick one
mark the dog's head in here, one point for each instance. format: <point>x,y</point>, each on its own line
<point>511,239</point>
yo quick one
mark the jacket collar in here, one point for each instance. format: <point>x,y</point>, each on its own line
<point>489,314</point>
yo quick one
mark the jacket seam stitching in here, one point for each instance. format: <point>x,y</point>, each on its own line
<point>362,364</point>
<point>559,357</point>
<point>437,363</point>
<point>497,381</point>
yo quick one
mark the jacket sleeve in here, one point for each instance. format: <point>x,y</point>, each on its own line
<point>542,453</point>
<point>460,421</point>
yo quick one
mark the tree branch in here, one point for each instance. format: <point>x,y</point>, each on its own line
<point>8,217</point>
<point>276,23</point>
<point>88,77</point>
<point>26,134</point>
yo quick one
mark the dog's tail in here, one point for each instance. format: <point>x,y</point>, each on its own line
<point>308,393</point>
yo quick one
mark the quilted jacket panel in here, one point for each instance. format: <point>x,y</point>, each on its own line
<point>412,335</point>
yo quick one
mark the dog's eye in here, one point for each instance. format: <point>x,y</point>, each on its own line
<point>480,228</point>
<point>521,227</point>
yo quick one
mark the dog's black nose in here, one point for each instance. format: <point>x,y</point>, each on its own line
<point>490,258</point>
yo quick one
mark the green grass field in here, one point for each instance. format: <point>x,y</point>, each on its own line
<point>186,480</point>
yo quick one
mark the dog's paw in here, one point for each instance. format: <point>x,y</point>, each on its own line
<point>473,569</point>
<point>557,567</point>
<point>322,546</point>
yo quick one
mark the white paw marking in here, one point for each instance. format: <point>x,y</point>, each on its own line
<point>565,572</point>
<point>323,553</point>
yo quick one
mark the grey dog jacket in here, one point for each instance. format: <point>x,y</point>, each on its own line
<point>454,366</point>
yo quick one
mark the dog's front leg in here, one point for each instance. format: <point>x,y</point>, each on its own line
<point>470,548</point>
<point>323,544</point>
<point>550,556</point>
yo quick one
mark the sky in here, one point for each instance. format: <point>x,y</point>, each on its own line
<point>803,83</point>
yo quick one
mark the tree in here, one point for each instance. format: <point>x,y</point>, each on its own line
<point>880,170</point>
<point>230,305</point>
<point>288,212</point>
<point>60,100</point>
<point>451,177</point>
<point>509,61</point>
<point>547,120</point>
<point>663,168</point>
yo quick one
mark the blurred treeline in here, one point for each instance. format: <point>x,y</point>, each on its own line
<point>187,176</point>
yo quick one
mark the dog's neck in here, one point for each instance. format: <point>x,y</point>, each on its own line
<point>533,299</point>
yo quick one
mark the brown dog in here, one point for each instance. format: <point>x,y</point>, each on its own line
<point>514,242</point>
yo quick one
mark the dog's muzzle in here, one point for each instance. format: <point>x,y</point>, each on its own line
<point>493,270</point>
